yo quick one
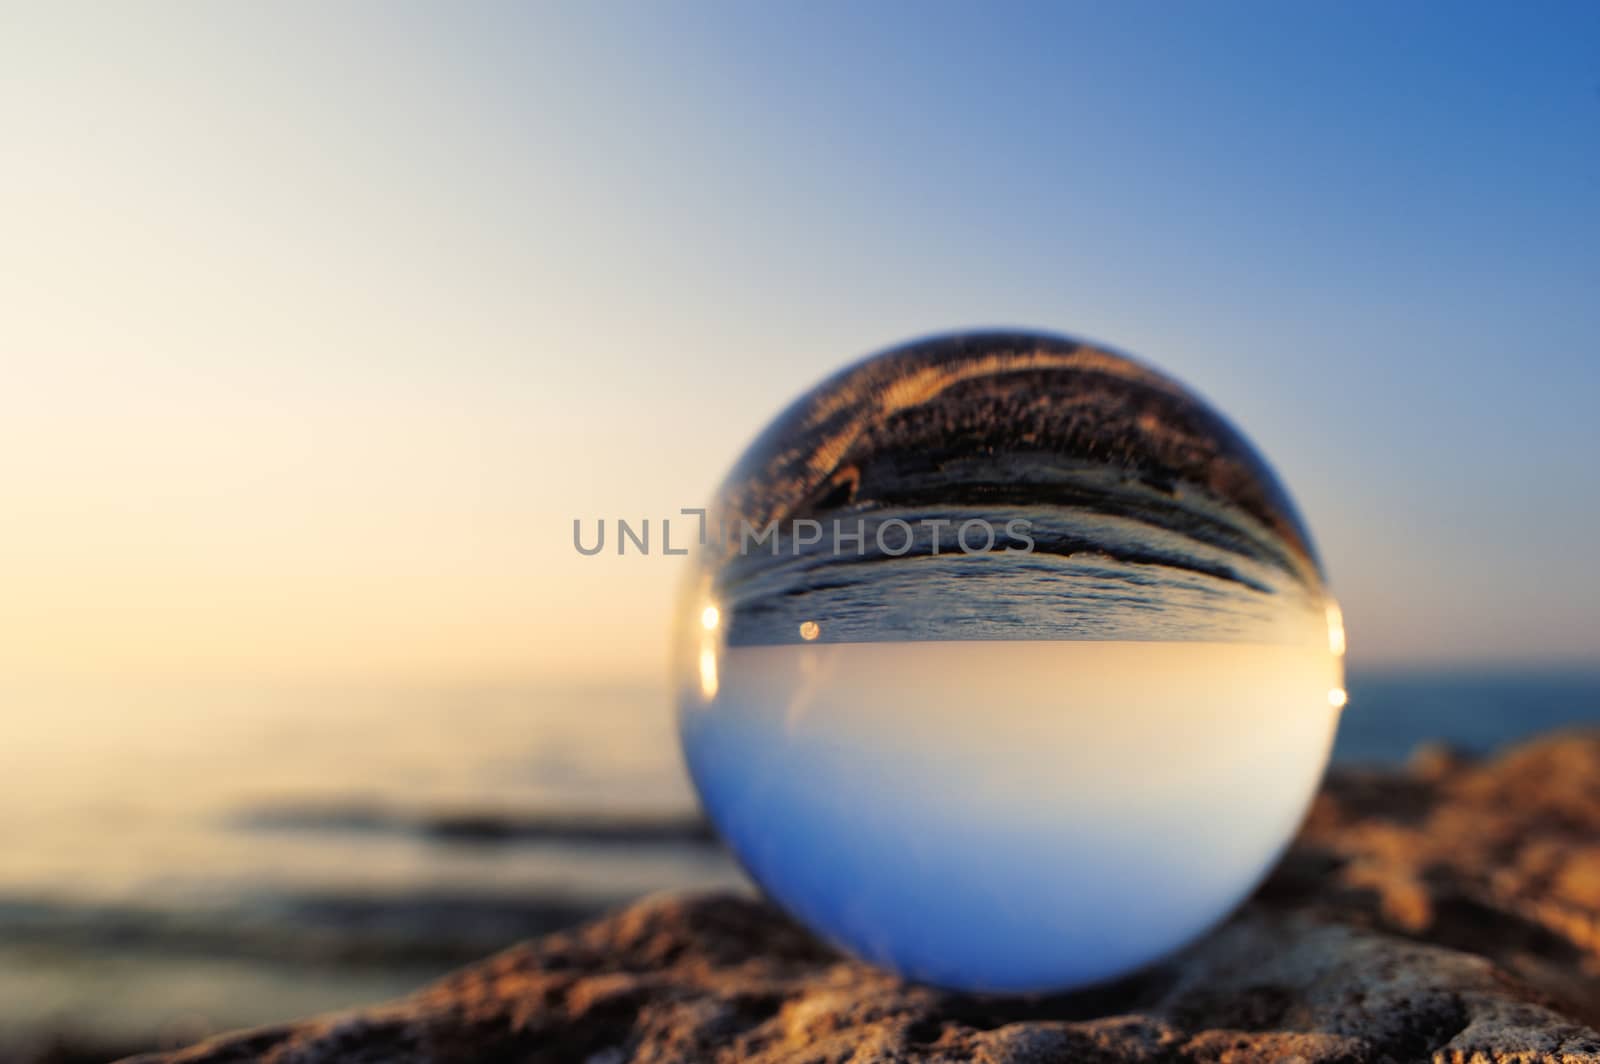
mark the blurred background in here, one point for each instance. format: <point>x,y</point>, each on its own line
<point>322,323</point>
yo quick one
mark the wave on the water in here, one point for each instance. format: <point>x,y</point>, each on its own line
<point>1089,576</point>
<point>469,826</point>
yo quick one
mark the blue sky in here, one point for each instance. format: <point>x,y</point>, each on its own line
<point>361,305</point>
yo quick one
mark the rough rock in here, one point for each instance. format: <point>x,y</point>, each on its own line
<point>1450,913</point>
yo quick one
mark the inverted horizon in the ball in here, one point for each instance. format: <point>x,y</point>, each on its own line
<point>1010,664</point>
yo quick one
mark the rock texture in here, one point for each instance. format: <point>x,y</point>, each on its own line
<point>1450,913</point>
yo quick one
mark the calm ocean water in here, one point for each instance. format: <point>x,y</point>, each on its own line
<point>178,862</point>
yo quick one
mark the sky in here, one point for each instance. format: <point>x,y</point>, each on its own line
<point>321,323</point>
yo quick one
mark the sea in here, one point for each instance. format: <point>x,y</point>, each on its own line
<point>178,861</point>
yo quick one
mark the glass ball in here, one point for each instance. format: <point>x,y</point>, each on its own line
<point>1006,663</point>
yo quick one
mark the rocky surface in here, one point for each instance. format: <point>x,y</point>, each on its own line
<point>1450,913</point>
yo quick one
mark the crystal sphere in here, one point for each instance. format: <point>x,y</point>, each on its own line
<point>1006,663</point>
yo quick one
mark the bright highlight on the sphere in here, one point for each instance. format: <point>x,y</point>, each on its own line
<point>1032,679</point>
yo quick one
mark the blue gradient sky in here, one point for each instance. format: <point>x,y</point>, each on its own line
<point>322,323</point>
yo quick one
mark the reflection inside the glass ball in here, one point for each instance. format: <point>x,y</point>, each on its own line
<point>991,766</point>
